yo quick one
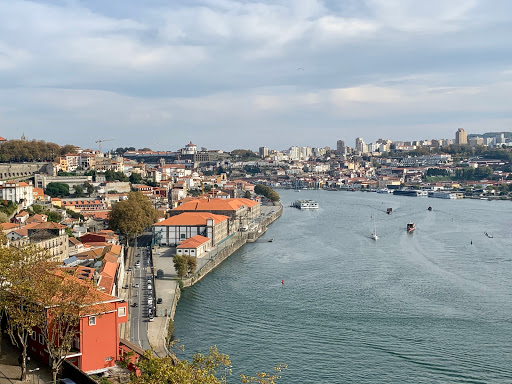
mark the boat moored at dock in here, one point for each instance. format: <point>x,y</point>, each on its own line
<point>305,204</point>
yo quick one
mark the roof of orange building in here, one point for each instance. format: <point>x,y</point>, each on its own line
<point>22,213</point>
<point>215,205</point>
<point>191,219</point>
<point>6,226</point>
<point>49,225</point>
<point>193,242</point>
<point>22,184</point>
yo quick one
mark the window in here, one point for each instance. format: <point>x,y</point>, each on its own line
<point>92,320</point>
<point>41,341</point>
<point>183,235</point>
<point>109,358</point>
<point>121,311</point>
<point>33,336</point>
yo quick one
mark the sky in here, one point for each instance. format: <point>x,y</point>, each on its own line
<point>229,74</point>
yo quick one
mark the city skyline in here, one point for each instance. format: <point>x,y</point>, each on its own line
<point>245,74</point>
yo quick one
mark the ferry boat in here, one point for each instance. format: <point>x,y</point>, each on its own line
<point>410,192</point>
<point>442,195</point>
<point>410,228</point>
<point>305,204</point>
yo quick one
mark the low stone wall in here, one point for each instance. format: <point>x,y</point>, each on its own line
<point>215,261</point>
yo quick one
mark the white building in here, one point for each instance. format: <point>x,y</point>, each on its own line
<point>17,192</point>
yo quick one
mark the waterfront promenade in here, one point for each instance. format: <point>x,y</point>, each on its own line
<point>168,289</point>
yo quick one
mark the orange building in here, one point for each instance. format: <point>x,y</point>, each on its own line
<point>97,345</point>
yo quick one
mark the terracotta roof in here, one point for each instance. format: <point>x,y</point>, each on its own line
<point>191,219</point>
<point>6,226</point>
<point>22,213</point>
<point>74,241</point>
<point>49,225</point>
<point>194,242</point>
<point>215,205</point>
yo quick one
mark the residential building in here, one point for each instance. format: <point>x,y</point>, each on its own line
<point>96,347</point>
<point>461,137</point>
<point>17,192</point>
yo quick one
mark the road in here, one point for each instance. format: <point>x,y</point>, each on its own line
<point>139,315</point>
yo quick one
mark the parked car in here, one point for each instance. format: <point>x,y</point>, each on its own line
<point>159,300</point>
<point>134,305</point>
<point>126,286</point>
<point>151,318</point>
<point>136,285</point>
<point>129,269</point>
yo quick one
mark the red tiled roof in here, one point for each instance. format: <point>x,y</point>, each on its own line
<point>193,242</point>
<point>215,205</point>
<point>191,219</point>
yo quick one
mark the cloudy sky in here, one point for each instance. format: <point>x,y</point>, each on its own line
<point>233,74</point>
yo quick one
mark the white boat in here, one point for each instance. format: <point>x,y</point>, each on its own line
<point>305,204</point>
<point>384,190</point>
<point>374,233</point>
<point>442,195</point>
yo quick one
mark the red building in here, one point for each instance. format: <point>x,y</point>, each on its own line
<point>96,347</point>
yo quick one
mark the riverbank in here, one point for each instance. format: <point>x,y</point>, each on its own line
<point>169,287</point>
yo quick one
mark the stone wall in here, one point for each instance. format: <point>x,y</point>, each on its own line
<point>13,171</point>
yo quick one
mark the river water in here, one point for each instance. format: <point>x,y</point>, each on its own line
<point>434,306</point>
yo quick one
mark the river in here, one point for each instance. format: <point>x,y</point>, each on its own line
<point>429,307</point>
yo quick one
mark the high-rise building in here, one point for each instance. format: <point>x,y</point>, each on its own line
<point>263,152</point>
<point>461,136</point>
<point>340,146</point>
<point>360,145</point>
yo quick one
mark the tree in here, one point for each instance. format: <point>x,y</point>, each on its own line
<point>54,216</point>
<point>180,265</point>
<point>57,189</point>
<point>21,268</point>
<point>268,192</point>
<point>203,369</point>
<point>191,264</point>
<point>131,216</point>
<point>89,187</point>
<point>135,178</point>
<point>247,195</point>
<point>3,217</point>
<point>63,301</point>
<point>79,191</point>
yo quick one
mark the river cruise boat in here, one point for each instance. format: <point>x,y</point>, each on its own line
<point>305,204</point>
<point>442,195</point>
<point>410,192</point>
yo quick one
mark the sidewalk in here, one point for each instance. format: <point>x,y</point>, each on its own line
<point>124,328</point>
<point>10,370</point>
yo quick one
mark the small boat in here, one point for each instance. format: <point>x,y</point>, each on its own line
<point>270,240</point>
<point>489,236</point>
<point>374,233</point>
<point>389,211</point>
<point>429,208</point>
<point>410,227</point>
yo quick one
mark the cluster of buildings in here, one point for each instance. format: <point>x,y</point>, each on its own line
<point>204,197</point>
<point>384,163</point>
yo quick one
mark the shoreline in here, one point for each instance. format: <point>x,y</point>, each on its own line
<point>158,329</point>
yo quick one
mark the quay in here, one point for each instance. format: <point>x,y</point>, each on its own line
<point>168,287</point>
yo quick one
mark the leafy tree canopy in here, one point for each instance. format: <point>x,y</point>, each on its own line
<point>131,216</point>
<point>57,189</point>
<point>35,150</point>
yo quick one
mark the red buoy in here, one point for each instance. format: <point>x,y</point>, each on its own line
<point>282,281</point>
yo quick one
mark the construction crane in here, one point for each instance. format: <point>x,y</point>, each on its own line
<point>101,141</point>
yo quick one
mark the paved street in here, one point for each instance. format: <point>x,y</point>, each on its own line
<point>142,296</point>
